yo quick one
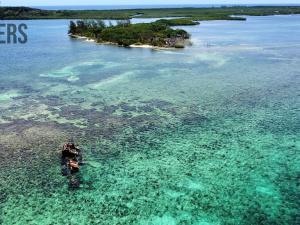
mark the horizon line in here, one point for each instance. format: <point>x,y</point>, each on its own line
<point>223,4</point>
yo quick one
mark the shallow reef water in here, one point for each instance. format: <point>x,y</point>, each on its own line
<point>207,135</point>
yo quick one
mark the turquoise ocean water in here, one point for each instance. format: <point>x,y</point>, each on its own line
<point>206,135</point>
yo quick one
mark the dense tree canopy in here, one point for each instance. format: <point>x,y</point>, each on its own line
<point>125,34</point>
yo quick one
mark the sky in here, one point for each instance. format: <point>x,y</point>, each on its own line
<point>138,2</point>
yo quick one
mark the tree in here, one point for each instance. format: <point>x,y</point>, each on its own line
<point>123,23</point>
<point>72,28</point>
<point>110,24</point>
<point>101,24</point>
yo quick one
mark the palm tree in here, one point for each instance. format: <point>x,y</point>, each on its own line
<point>72,28</point>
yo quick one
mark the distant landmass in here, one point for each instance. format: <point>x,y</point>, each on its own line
<point>113,7</point>
<point>158,34</point>
<point>216,13</point>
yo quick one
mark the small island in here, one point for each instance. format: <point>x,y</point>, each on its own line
<point>155,34</point>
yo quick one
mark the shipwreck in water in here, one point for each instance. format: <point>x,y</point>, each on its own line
<point>71,160</point>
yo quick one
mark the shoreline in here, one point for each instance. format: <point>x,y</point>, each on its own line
<point>144,46</point>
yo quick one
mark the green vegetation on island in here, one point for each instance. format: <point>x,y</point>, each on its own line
<point>218,13</point>
<point>179,22</point>
<point>157,33</point>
